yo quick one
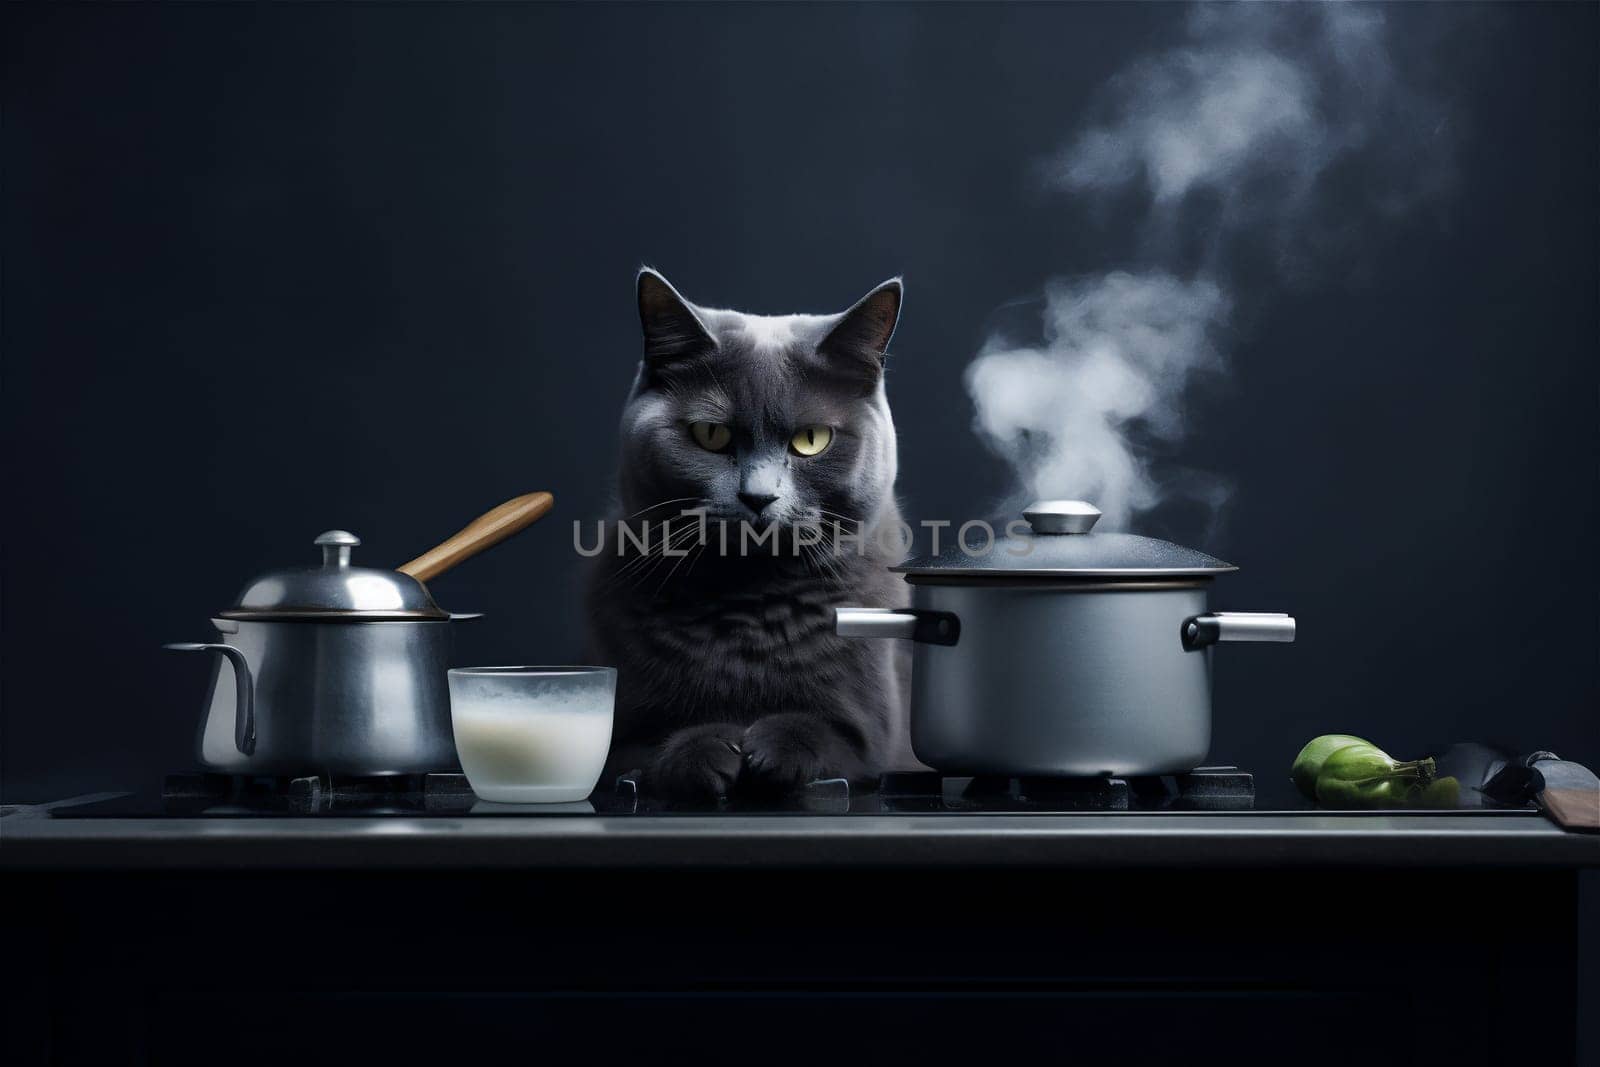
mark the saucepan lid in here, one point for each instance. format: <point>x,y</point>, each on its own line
<point>339,590</point>
<point>1056,541</point>
<point>335,589</point>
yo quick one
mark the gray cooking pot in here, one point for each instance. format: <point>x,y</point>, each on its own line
<point>1062,652</point>
<point>338,669</point>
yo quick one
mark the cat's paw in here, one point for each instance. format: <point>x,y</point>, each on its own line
<point>699,764</point>
<point>781,754</point>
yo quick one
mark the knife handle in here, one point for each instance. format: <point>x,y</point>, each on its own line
<point>1572,809</point>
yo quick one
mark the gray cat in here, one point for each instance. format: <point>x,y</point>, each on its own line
<point>730,677</point>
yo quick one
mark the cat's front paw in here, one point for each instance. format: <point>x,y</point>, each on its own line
<point>699,764</point>
<point>781,754</point>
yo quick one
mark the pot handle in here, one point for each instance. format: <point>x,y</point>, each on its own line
<point>911,624</point>
<point>244,704</point>
<point>486,531</point>
<point>1215,626</point>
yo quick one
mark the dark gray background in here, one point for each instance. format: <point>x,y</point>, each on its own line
<point>269,271</point>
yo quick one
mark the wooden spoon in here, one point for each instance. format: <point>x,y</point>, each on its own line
<point>486,531</point>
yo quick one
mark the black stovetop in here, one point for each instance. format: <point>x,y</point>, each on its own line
<point>1212,789</point>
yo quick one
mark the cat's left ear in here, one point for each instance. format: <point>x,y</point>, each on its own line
<point>672,330</point>
<point>863,332</point>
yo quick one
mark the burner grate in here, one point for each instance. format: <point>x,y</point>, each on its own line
<point>1202,789</point>
<point>318,794</point>
<point>824,796</point>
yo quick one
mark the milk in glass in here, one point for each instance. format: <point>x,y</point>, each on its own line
<point>531,735</point>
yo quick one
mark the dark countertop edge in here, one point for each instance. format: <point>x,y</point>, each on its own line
<point>692,842</point>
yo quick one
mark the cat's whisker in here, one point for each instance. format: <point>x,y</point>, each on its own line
<point>665,533</point>
<point>641,565</point>
<point>813,562</point>
<point>818,560</point>
<point>653,546</point>
<point>649,551</point>
<point>676,541</point>
<point>832,563</point>
<point>655,550</point>
<point>698,552</point>
<point>834,548</point>
<point>832,567</point>
<point>674,568</point>
<point>661,504</point>
<point>838,518</point>
<point>629,576</point>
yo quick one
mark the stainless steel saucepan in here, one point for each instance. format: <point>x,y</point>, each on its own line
<point>339,669</point>
<point>1062,651</point>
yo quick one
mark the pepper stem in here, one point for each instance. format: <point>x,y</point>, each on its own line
<point>1418,772</point>
<point>1422,768</point>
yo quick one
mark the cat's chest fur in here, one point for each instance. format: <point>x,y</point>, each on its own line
<point>744,650</point>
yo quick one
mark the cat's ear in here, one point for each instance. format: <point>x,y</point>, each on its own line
<point>863,332</point>
<point>672,330</point>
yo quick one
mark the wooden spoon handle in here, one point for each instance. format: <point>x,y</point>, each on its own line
<point>486,531</point>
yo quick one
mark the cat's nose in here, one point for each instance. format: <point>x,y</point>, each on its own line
<point>757,502</point>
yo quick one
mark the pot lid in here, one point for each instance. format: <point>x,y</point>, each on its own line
<point>1059,543</point>
<point>335,588</point>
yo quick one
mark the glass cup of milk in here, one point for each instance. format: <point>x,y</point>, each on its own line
<point>531,735</point>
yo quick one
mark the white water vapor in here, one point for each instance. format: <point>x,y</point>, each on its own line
<point>1115,349</point>
<point>1226,141</point>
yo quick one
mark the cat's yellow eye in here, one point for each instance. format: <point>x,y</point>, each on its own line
<point>811,440</point>
<point>711,436</point>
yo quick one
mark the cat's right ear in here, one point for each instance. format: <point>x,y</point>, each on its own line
<point>672,330</point>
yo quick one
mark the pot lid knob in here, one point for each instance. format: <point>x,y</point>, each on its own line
<point>1061,516</point>
<point>336,546</point>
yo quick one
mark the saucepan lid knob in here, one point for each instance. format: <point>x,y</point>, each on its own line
<point>334,590</point>
<point>1061,516</point>
<point>336,546</point>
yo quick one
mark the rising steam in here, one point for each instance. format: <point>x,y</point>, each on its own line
<point>1230,136</point>
<point>1116,349</point>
